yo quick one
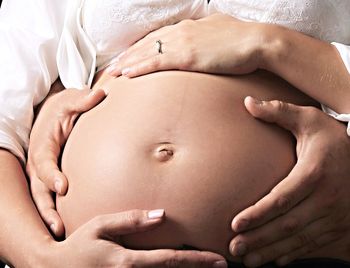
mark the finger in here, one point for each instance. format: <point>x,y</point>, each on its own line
<point>156,63</point>
<point>146,59</point>
<point>148,54</point>
<point>129,60</point>
<point>310,238</point>
<point>299,183</point>
<point>279,229</point>
<point>128,222</point>
<point>323,240</point>
<point>284,114</point>
<point>147,41</point>
<point>45,204</point>
<point>177,258</point>
<point>47,171</point>
<point>86,100</point>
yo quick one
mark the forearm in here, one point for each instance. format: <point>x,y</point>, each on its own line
<point>313,66</point>
<point>23,236</point>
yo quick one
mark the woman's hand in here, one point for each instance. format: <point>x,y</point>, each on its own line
<point>310,208</point>
<point>215,44</point>
<point>95,244</point>
<point>49,133</point>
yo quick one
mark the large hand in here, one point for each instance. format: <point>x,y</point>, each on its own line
<point>311,206</point>
<point>50,131</point>
<point>95,245</point>
<point>215,44</point>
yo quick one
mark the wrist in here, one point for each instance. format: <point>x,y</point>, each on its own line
<point>38,256</point>
<point>273,47</point>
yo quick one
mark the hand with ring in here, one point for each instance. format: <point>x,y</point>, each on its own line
<point>202,45</point>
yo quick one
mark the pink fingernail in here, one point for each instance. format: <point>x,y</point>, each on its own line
<point>126,71</point>
<point>155,214</point>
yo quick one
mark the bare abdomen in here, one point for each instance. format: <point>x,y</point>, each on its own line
<point>179,141</point>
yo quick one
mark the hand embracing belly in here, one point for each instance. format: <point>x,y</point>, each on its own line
<point>180,141</point>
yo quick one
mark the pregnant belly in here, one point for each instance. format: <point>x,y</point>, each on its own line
<point>179,141</point>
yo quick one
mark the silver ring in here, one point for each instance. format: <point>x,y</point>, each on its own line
<point>159,46</point>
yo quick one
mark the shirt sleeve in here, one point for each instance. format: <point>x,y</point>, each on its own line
<point>29,36</point>
<point>344,51</point>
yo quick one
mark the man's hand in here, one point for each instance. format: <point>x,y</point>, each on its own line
<point>51,129</point>
<point>310,208</point>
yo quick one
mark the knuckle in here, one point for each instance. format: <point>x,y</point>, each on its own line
<point>283,203</point>
<point>303,239</point>
<point>155,63</point>
<point>291,225</point>
<point>330,201</point>
<point>185,25</point>
<point>279,105</point>
<point>311,113</point>
<point>175,261</point>
<point>133,218</point>
<point>188,58</point>
<point>98,222</point>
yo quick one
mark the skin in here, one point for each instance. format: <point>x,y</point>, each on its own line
<point>244,48</point>
<point>176,111</point>
<point>32,245</point>
<point>318,137</point>
<point>276,49</point>
<point>97,240</point>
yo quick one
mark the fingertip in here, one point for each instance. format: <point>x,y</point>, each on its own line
<point>126,72</point>
<point>249,100</point>
<point>57,228</point>
<point>240,225</point>
<point>156,214</point>
<point>111,69</point>
<point>58,186</point>
<point>252,105</point>
<point>220,264</point>
<point>61,184</point>
<point>97,93</point>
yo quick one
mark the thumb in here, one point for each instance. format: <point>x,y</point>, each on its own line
<point>128,222</point>
<point>87,99</point>
<point>284,114</point>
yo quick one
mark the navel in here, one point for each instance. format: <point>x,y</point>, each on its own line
<point>164,152</point>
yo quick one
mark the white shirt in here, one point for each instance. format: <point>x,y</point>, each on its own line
<point>31,34</point>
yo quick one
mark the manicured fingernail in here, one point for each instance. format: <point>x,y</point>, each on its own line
<point>155,214</point>
<point>126,71</point>
<point>239,249</point>
<point>253,260</point>
<point>58,187</point>
<point>241,225</point>
<point>220,264</point>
